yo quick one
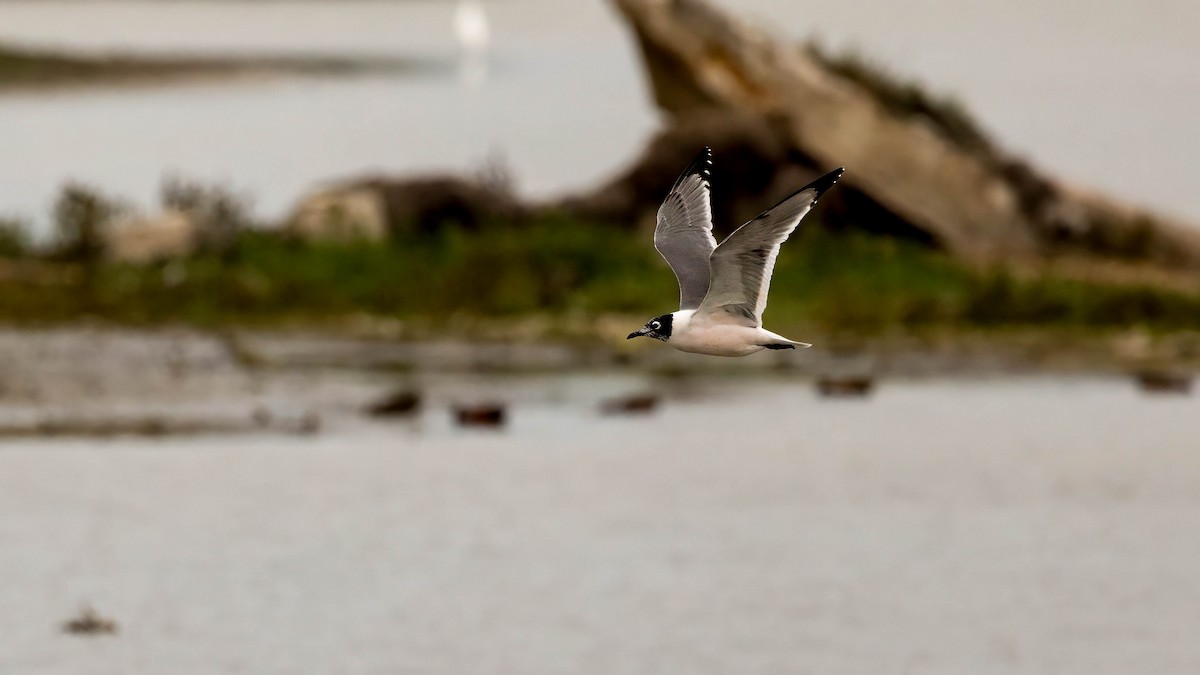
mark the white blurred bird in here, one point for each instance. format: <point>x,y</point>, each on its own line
<point>723,289</point>
<point>471,26</point>
<point>474,38</point>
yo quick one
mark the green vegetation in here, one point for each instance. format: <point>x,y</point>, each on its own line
<point>217,212</point>
<point>873,285</point>
<point>557,268</point>
<point>81,217</point>
<point>14,238</point>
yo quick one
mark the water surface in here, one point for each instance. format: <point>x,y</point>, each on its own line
<point>1009,525</point>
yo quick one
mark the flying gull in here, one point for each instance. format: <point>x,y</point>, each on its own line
<point>723,289</point>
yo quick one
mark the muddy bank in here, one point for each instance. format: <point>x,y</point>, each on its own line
<point>119,382</point>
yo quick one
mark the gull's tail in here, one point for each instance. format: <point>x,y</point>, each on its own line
<point>779,342</point>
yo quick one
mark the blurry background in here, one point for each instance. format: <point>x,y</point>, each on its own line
<point>312,354</point>
<point>1100,93</point>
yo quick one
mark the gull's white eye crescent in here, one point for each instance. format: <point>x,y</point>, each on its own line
<point>655,325</point>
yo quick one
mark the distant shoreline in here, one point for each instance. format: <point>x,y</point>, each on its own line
<point>35,68</point>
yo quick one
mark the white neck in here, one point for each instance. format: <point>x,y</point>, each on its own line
<point>681,321</point>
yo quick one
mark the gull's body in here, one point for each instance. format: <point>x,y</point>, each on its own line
<point>704,334</point>
<point>723,289</point>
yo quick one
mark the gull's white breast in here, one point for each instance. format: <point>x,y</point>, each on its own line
<point>715,339</point>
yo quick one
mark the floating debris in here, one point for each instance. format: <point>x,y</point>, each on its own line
<point>845,387</point>
<point>89,623</point>
<point>636,404</point>
<point>480,415</point>
<point>261,416</point>
<point>309,423</point>
<point>1164,382</point>
<point>399,403</point>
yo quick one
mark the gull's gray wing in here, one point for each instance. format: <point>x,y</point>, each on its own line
<point>683,234</point>
<point>742,264</point>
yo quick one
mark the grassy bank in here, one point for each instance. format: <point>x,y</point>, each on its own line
<point>563,272</point>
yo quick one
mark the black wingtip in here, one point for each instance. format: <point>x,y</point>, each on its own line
<point>822,184</point>
<point>701,165</point>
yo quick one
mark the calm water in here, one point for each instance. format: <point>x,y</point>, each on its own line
<point>1104,92</point>
<point>1004,526</point>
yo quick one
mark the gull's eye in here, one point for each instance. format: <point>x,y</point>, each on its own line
<point>655,325</point>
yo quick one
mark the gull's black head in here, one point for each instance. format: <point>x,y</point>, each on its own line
<point>658,328</point>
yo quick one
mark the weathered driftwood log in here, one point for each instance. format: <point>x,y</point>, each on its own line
<point>960,190</point>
